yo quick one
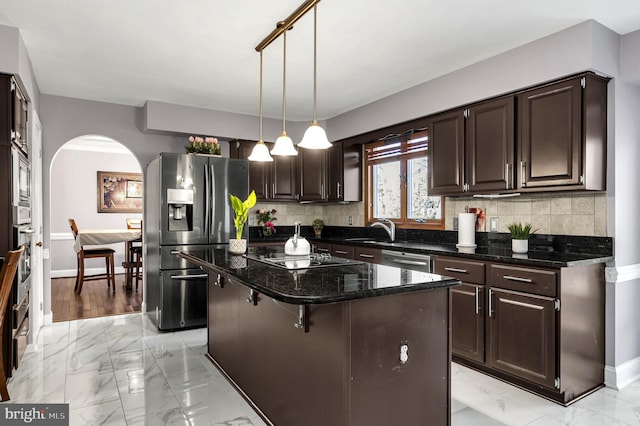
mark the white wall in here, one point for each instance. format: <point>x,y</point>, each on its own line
<point>73,178</point>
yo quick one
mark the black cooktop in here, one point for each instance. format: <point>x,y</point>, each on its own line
<point>313,260</point>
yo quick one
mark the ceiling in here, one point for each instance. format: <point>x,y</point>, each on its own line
<point>201,52</point>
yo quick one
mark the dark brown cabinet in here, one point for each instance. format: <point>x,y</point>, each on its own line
<point>313,174</point>
<point>522,335</point>
<point>539,328</point>
<point>490,142</point>
<point>446,147</point>
<point>467,306</point>
<point>472,149</point>
<point>368,254</point>
<point>333,175</point>
<point>275,180</point>
<point>344,173</point>
<point>563,134</point>
<point>558,141</point>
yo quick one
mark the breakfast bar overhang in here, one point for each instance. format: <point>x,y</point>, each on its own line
<point>354,344</point>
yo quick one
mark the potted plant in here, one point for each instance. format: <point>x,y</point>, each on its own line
<point>520,236</point>
<point>241,209</point>
<point>266,218</point>
<point>317,225</point>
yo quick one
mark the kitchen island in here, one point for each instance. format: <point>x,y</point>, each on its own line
<point>347,344</point>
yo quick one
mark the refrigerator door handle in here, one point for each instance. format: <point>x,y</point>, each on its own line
<point>207,199</point>
<point>189,277</point>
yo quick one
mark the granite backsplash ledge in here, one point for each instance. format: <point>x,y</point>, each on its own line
<point>600,246</point>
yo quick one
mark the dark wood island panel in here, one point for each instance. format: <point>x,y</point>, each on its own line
<point>346,369</point>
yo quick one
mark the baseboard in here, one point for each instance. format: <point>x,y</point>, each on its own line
<point>48,318</point>
<point>61,273</point>
<point>623,374</point>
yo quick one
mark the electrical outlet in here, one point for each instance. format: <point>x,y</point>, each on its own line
<point>493,224</point>
<point>455,223</point>
<point>350,220</point>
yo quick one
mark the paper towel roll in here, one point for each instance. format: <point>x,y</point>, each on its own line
<point>467,230</point>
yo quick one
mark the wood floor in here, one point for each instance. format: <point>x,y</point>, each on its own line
<point>96,299</point>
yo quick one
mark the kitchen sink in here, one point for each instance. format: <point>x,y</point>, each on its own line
<point>303,262</point>
<point>363,240</point>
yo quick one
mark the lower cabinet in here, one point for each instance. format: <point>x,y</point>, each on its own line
<point>522,335</point>
<point>538,328</point>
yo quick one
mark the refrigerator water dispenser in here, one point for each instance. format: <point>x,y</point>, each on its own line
<point>180,202</point>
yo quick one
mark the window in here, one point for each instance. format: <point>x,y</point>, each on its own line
<point>397,182</point>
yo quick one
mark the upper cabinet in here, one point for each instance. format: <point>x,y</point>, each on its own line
<point>275,180</point>
<point>446,145</point>
<point>490,136</point>
<point>562,136</point>
<point>548,138</point>
<point>333,175</point>
<point>472,149</point>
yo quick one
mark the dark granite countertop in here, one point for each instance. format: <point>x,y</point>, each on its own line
<point>548,251</point>
<point>316,285</point>
<point>498,253</point>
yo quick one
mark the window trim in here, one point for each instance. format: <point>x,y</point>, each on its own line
<point>402,153</point>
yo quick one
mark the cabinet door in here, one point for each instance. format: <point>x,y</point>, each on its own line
<point>446,147</point>
<point>522,335</point>
<point>284,177</point>
<point>490,142</point>
<point>550,136</point>
<point>259,172</point>
<point>467,321</point>
<point>335,173</point>
<point>313,175</point>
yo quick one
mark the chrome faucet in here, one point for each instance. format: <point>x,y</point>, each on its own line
<point>391,229</point>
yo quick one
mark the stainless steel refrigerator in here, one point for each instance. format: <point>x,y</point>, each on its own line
<point>187,208</point>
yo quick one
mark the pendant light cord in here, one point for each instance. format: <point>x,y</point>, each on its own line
<point>284,82</point>
<point>315,67</point>
<point>260,96</point>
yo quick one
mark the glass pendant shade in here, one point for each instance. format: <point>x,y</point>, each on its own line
<point>315,138</point>
<point>284,146</point>
<point>260,152</point>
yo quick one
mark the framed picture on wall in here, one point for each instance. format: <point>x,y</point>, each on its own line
<point>119,192</point>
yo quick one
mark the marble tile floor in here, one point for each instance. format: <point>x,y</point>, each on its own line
<point>120,370</point>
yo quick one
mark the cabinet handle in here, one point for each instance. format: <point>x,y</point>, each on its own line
<point>462,271</point>
<point>341,252</point>
<point>477,301</point>
<point>506,174</point>
<point>338,185</point>
<point>490,306</point>
<point>523,167</point>
<point>273,186</point>
<point>323,250</point>
<point>521,280</point>
<point>366,256</point>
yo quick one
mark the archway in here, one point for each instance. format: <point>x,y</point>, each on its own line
<point>76,192</point>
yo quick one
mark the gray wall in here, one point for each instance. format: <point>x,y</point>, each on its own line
<point>75,172</point>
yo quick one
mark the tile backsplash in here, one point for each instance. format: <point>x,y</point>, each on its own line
<point>567,213</point>
<point>574,213</point>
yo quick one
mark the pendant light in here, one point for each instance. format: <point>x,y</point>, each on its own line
<point>284,144</point>
<point>315,136</point>
<point>260,151</point>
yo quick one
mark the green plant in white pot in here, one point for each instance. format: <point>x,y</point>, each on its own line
<point>317,225</point>
<point>520,236</point>
<point>241,209</point>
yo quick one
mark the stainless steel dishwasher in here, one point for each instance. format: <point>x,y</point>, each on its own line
<point>402,259</point>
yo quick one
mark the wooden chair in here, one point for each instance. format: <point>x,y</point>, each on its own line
<point>7,273</point>
<point>93,253</point>
<point>133,263</point>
